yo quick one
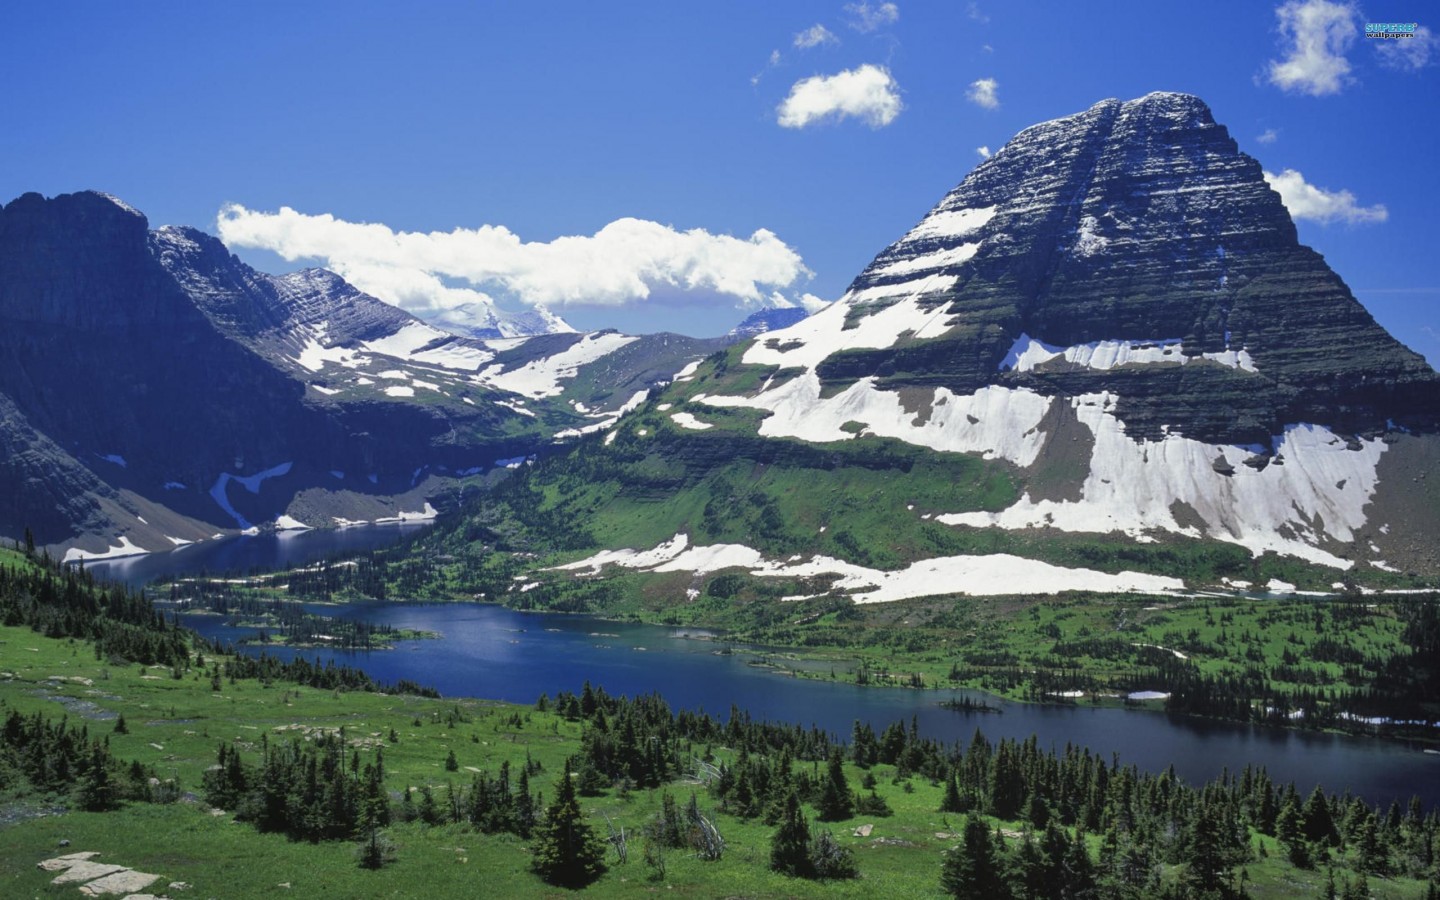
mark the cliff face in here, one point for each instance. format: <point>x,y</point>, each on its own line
<point>1137,227</point>
<point>1117,304</point>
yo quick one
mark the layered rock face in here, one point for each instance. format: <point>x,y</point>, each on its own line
<point>1117,304</point>
<point>1140,222</point>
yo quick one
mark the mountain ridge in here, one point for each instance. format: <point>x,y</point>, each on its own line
<point>148,371</point>
<point>1113,318</point>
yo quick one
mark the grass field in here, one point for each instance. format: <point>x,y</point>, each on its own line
<point>176,724</point>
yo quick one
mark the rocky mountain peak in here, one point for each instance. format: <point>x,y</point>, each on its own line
<point>1136,223</point>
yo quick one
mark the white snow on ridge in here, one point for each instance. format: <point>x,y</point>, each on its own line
<point>125,548</point>
<point>951,223</point>
<point>1027,353</point>
<point>686,420</point>
<point>1005,425</point>
<point>400,391</point>
<point>633,559</point>
<point>1132,486</point>
<point>288,523</point>
<point>406,341</point>
<point>688,372</point>
<point>314,355</point>
<point>816,337</point>
<point>929,262</point>
<point>541,377</point>
<point>971,575</point>
<point>930,284</point>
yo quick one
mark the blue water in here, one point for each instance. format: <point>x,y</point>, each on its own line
<point>497,653</point>
<point>244,553</point>
<point>493,652</point>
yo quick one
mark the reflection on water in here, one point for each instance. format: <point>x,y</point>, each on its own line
<point>244,553</point>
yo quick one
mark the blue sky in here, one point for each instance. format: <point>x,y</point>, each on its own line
<point>655,139</point>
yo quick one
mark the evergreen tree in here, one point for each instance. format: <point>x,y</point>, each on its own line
<point>1290,831</point>
<point>567,852</point>
<point>830,860</point>
<point>952,801</point>
<point>96,793</point>
<point>836,802</point>
<point>974,868</point>
<point>790,845</point>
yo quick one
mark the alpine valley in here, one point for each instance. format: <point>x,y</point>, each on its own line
<point>155,391</point>
<point>1098,431</point>
<point>1103,362</point>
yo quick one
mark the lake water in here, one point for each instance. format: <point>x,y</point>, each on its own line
<point>244,553</point>
<point>497,653</point>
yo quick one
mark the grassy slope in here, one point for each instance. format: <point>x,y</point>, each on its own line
<point>175,725</point>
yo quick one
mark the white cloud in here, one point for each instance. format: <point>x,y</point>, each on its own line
<point>441,274</point>
<point>1268,136</point>
<point>866,18</point>
<point>983,152</point>
<point>984,93</point>
<point>1316,35</point>
<point>814,36</point>
<point>867,93</point>
<point>773,61</point>
<point>1306,201</point>
<point>974,12</point>
<point>1407,54</point>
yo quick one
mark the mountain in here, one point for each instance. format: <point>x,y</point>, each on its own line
<point>156,391</point>
<point>768,319</point>
<point>1103,361</point>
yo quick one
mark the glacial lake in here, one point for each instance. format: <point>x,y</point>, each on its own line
<point>496,653</point>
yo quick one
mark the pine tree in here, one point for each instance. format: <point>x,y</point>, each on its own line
<point>952,801</point>
<point>567,852</point>
<point>96,791</point>
<point>973,869</point>
<point>830,860</point>
<point>790,845</point>
<point>836,802</point>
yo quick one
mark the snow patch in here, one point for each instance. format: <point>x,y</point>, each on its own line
<point>425,515</point>
<point>288,523</point>
<point>686,420</point>
<point>971,575</point>
<point>951,223</point>
<point>995,422</point>
<point>400,390</point>
<point>542,377</point>
<point>1027,354</point>
<point>326,391</point>
<point>1133,485</point>
<point>929,262</point>
<point>811,340</point>
<point>688,372</point>
<point>125,548</point>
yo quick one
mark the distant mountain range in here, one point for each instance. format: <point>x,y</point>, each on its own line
<point>1104,361</point>
<point>154,390</point>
